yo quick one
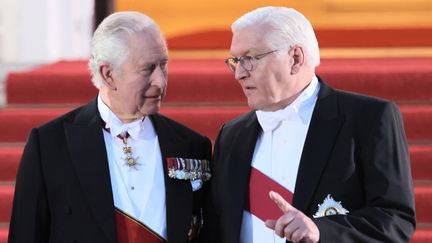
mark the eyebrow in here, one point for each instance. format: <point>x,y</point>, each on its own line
<point>245,53</point>
<point>151,62</point>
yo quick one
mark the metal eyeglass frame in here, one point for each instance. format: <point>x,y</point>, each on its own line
<point>232,62</point>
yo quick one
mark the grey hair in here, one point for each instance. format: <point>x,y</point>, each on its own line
<point>110,41</point>
<point>288,27</point>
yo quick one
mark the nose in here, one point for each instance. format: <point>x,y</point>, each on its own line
<point>159,77</point>
<point>241,73</point>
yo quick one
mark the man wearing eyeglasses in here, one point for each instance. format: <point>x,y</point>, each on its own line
<point>308,163</point>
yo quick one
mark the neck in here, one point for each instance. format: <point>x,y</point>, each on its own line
<point>117,110</point>
<point>302,81</point>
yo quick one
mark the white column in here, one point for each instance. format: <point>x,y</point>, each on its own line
<point>45,30</point>
<point>8,40</point>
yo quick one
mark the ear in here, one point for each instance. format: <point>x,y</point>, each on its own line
<point>107,73</point>
<point>299,59</point>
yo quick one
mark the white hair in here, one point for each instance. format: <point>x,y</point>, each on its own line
<point>110,41</point>
<point>288,27</point>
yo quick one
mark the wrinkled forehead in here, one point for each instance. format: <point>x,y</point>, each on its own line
<point>148,46</point>
<point>250,39</point>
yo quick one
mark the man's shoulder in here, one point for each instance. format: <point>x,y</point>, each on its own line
<point>58,122</point>
<point>363,106</point>
<point>348,99</point>
<point>241,120</point>
<point>163,122</point>
<point>360,99</point>
<point>351,100</point>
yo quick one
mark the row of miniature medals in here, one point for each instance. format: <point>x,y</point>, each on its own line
<point>188,169</point>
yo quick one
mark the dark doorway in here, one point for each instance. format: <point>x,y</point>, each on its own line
<point>102,9</point>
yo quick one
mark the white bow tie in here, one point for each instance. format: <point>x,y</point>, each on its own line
<point>133,128</point>
<point>270,120</point>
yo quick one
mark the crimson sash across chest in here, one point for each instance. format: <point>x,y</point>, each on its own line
<point>130,230</point>
<point>258,202</point>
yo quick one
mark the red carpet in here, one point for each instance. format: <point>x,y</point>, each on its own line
<point>422,234</point>
<point>3,234</point>
<point>203,94</point>
<point>9,160</point>
<point>421,162</point>
<point>400,37</point>
<point>423,196</point>
<point>401,79</point>
<point>6,193</point>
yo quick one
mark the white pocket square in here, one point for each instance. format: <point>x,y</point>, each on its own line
<point>330,207</point>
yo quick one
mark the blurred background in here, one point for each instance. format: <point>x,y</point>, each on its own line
<point>376,47</point>
<point>35,31</point>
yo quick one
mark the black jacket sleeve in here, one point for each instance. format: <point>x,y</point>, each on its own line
<point>30,213</point>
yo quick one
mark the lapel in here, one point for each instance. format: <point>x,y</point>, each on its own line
<point>243,146</point>
<point>87,148</point>
<point>179,196</point>
<point>322,133</point>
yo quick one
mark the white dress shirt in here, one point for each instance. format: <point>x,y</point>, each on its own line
<point>277,154</point>
<point>138,192</point>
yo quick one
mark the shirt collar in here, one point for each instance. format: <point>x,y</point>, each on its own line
<point>269,120</point>
<point>115,125</point>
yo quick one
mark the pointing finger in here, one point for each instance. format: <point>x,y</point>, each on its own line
<point>282,203</point>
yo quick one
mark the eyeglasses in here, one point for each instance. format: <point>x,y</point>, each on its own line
<point>247,62</point>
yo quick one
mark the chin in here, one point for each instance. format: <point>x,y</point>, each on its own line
<point>149,110</point>
<point>253,105</point>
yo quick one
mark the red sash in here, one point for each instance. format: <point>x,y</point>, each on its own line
<point>130,230</point>
<point>259,202</point>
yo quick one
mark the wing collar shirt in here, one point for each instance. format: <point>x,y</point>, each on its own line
<point>140,191</point>
<point>278,151</point>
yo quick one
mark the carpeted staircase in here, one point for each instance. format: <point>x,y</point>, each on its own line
<point>203,94</point>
